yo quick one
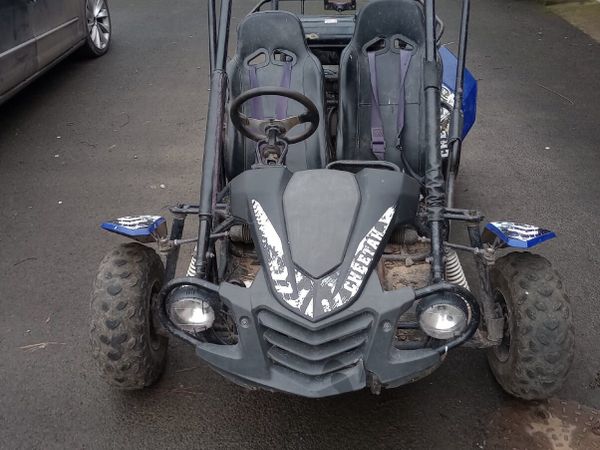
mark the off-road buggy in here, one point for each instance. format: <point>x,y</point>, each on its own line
<point>322,261</point>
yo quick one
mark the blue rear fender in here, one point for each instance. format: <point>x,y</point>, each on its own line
<point>449,63</point>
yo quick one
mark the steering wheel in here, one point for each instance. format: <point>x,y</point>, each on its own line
<point>256,129</point>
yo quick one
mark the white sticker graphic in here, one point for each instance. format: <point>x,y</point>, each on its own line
<point>334,290</point>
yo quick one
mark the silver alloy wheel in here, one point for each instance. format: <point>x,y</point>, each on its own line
<point>98,23</point>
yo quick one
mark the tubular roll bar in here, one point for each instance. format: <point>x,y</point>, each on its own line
<point>213,139</point>
<point>457,118</point>
<point>212,33</point>
<point>275,4</point>
<point>434,181</point>
<point>437,199</point>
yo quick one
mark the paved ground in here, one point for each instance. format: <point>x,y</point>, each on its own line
<point>95,139</point>
<point>585,16</point>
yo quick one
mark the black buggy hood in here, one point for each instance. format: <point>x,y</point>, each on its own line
<point>319,233</point>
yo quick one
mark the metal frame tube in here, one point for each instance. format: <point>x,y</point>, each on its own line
<point>173,256</point>
<point>262,3</point>
<point>434,180</point>
<point>457,118</point>
<point>462,55</point>
<point>213,141</point>
<point>223,35</point>
<point>430,22</point>
<point>493,320</point>
<point>212,33</point>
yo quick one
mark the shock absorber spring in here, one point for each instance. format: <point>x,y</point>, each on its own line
<point>191,272</point>
<point>454,270</point>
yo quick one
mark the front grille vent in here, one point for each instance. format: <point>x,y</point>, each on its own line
<point>319,352</point>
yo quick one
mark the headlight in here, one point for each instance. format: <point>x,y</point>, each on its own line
<point>443,317</point>
<point>189,311</point>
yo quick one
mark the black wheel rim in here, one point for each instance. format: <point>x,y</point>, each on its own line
<point>154,338</point>
<point>502,351</point>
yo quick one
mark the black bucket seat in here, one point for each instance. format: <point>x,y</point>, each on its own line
<point>382,104</point>
<point>272,51</point>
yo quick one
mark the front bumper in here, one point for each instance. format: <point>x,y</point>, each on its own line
<point>279,350</point>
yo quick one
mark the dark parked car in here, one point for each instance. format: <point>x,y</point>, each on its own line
<point>36,34</point>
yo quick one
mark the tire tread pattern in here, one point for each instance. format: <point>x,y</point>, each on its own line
<point>542,336</point>
<point>120,336</point>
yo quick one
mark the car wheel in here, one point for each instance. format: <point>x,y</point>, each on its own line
<point>98,27</point>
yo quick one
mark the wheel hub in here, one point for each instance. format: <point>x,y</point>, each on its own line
<point>502,351</point>
<point>98,23</point>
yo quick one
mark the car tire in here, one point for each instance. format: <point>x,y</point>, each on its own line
<point>98,28</point>
<point>125,344</point>
<point>537,350</point>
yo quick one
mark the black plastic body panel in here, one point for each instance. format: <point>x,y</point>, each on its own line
<point>319,284</point>
<point>247,363</point>
<point>319,214</point>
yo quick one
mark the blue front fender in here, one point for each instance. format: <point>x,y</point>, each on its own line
<point>518,235</point>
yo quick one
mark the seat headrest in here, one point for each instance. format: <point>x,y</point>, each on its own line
<point>384,18</point>
<point>271,30</point>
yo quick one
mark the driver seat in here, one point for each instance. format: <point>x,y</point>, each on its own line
<point>271,51</point>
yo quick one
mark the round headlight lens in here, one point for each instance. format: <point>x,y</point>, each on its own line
<point>192,312</point>
<point>443,320</point>
<point>188,311</point>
